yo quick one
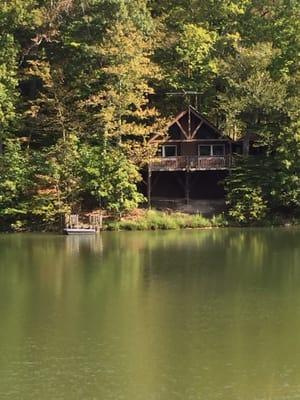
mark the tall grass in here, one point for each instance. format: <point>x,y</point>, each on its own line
<point>159,220</point>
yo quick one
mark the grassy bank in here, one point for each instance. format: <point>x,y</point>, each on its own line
<point>144,220</point>
<point>155,220</point>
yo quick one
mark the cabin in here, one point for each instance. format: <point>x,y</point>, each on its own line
<point>192,160</point>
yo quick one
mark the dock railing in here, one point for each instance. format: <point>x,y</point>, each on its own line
<point>93,220</point>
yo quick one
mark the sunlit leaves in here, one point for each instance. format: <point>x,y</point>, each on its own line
<point>111,178</point>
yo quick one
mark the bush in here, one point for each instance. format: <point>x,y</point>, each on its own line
<point>247,205</point>
<point>110,178</point>
<point>159,220</point>
<point>247,188</point>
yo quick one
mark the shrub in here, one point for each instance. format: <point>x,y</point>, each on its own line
<point>159,220</point>
<point>247,205</point>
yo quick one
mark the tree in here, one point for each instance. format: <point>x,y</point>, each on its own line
<point>247,190</point>
<point>58,182</point>
<point>195,59</point>
<point>50,116</point>
<point>87,81</point>
<point>252,99</point>
<point>15,183</point>
<point>8,85</point>
<point>110,178</point>
<point>120,108</point>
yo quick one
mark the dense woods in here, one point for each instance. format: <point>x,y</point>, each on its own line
<point>83,83</point>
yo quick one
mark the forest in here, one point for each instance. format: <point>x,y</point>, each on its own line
<point>83,84</point>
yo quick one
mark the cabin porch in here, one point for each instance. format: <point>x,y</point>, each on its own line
<point>191,163</point>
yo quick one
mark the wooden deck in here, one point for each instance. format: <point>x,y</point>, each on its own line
<point>191,163</point>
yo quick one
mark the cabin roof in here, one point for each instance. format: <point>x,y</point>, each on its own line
<point>190,125</point>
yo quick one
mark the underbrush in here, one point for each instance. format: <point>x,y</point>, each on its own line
<point>159,220</point>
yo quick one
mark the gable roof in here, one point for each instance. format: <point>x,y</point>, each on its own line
<point>189,125</point>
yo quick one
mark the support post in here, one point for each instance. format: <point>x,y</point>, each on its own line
<point>187,187</point>
<point>149,187</point>
<point>230,156</point>
<point>189,120</point>
<point>246,146</point>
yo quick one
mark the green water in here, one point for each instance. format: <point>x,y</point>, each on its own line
<point>189,315</point>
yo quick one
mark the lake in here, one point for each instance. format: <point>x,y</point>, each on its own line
<point>208,314</point>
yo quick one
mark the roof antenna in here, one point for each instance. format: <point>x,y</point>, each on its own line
<point>188,95</point>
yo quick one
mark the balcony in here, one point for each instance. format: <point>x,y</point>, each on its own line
<point>191,163</point>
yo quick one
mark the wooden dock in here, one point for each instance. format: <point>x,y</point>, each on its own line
<point>85,224</point>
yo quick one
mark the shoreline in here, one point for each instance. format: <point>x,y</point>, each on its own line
<point>154,220</point>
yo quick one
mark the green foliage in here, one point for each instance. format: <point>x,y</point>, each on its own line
<point>259,185</point>
<point>285,189</point>
<point>14,16</point>
<point>247,190</point>
<point>8,83</point>
<point>111,178</point>
<point>83,84</point>
<point>253,100</point>
<point>57,181</point>
<point>15,182</point>
<point>158,220</point>
<point>247,204</point>
<point>196,66</point>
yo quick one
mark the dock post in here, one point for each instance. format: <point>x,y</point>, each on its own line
<point>101,221</point>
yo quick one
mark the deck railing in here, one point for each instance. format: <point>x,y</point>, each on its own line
<point>191,163</point>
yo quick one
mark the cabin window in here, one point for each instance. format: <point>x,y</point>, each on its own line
<point>211,150</point>
<point>169,151</point>
<point>204,151</point>
<point>218,150</point>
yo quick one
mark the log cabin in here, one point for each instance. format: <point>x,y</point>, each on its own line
<point>191,162</point>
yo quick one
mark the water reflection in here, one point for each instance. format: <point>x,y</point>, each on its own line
<point>84,243</point>
<point>211,314</point>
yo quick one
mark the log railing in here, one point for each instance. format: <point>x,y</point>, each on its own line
<point>191,163</point>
